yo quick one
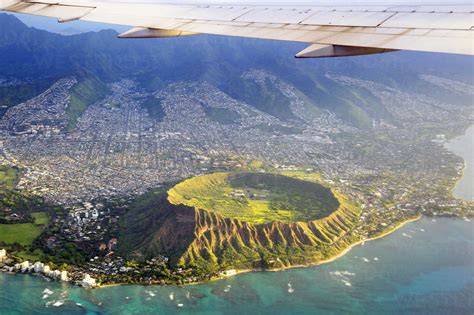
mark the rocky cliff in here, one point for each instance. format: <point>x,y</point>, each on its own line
<point>192,236</point>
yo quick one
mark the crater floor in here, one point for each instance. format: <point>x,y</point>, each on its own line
<point>256,197</point>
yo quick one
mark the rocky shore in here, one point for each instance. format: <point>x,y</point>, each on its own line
<point>10,265</point>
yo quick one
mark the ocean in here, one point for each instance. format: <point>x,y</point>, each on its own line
<point>464,146</point>
<point>426,267</point>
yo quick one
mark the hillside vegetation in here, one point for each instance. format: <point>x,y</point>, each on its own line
<point>86,92</point>
<point>196,223</point>
<point>9,177</point>
<point>16,206</point>
<point>256,198</point>
<point>15,94</point>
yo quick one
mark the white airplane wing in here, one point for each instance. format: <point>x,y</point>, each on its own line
<point>331,30</point>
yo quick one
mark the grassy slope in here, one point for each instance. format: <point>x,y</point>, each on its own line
<point>264,96</point>
<point>146,227</point>
<point>86,92</point>
<point>41,218</point>
<point>232,244</point>
<point>289,200</point>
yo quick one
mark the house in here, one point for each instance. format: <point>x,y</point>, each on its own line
<point>112,243</point>
<point>3,254</point>
<point>102,247</point>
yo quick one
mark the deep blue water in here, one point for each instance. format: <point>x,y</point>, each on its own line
<point>427,267</point>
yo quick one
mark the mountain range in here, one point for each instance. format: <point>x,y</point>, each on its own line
<point>35,59</point>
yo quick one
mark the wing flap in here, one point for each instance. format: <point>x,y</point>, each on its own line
<point>440,28</point>
<point>459,21</point>
<point>270,15</point>
<point>50,9</point>
<point>337,18</point>
<point>447,8</point>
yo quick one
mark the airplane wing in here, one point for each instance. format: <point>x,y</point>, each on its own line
<point>331,30</point>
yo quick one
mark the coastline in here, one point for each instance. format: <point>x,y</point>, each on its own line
<point>463,170</point>
<point>350,247</point>
<point>235,272</point>
<point>329,260</point>
<point>462,176</point>
<point>396,266</point>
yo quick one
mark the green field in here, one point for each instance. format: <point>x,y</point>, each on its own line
<point>23,233</point>
<point>256,197</point>
<point>41,218</point>
<point>8,177</point>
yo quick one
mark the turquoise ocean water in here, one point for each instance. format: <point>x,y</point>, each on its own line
<point>427,267</point>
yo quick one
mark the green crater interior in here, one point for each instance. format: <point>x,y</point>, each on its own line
<point>256,197</point>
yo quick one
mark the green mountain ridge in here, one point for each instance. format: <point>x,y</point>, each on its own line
<point>33,55</point>
<point>87,91</point>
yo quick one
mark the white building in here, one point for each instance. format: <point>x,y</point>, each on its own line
<point>38,267</point>
<point>25,266</point>
<point>95,214</point>
<point>64,276</point>
<point>3,254</point>
<point>88,282</point>
<point>46,270</point>
<point>56,274</point>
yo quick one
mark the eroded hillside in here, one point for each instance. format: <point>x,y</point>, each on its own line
<point>210,237</point>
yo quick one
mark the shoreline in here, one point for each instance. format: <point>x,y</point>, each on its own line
<point>461,178</point>
<point>322,262</point>
<point>350,247</point>
<point>235,272</point>
<point>465,163</point>
<point>463,170</point>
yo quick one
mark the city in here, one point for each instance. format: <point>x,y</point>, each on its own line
<point>118,150</point>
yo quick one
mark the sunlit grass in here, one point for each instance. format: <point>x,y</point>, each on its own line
<point>41,218</point>
<point>213,193</point>
<point>23,233</point>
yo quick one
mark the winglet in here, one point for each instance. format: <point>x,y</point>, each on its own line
<point>323,51</point>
